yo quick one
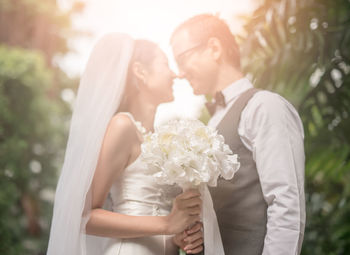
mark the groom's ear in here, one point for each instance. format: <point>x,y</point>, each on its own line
<point>216,48</point>
<point>139,71</point>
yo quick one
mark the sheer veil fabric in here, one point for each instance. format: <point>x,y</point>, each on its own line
<point>99,96</point>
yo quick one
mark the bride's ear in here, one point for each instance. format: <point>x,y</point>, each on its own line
<point>139,71</point>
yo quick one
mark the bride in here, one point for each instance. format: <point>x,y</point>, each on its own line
<point>105,202</point>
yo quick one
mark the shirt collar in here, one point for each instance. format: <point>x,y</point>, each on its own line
<point>235,89</point>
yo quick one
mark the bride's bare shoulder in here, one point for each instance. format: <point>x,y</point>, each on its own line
<point>121,120</point>
<point>121,126</point>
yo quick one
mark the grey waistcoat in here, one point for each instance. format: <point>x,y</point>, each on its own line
<point>239,204</point>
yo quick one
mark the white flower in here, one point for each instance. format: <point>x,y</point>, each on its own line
<point>188,153</point>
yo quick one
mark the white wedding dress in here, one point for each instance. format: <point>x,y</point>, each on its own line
<point>136,193</point>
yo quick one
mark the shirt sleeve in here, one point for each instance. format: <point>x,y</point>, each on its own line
<point>271,128</point>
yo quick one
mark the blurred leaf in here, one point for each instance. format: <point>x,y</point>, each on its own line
<point>295,48</point>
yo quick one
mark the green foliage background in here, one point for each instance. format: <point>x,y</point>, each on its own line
<point>33,120</point>
<point>301,50</point>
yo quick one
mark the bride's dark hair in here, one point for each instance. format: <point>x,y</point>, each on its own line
<point>144,53</point>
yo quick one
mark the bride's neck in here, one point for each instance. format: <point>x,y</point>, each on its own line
<point>142,110</point>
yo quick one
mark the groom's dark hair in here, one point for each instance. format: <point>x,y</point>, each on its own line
<point>204,26</point>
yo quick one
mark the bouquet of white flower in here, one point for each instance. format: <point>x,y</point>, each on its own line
<point>192,155</point>
<point>188,153</point>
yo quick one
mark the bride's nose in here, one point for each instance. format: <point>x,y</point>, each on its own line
<point>173,75</point>
<point>181,74</point>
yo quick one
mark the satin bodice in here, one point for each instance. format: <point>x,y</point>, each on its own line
<point>136,192</point>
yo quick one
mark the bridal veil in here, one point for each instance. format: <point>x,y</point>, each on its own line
<point>99,96</point>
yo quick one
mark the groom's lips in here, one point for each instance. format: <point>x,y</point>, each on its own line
<point>193,84</point>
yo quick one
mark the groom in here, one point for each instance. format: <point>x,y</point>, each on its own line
<point>262,209</point>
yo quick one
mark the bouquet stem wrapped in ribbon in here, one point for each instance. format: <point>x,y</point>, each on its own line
<point>192,155</point>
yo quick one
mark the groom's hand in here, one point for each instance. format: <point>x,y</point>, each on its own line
<point>191,240</point>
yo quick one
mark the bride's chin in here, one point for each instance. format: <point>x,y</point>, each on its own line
<point>170,99</point>
<point>167,100</point>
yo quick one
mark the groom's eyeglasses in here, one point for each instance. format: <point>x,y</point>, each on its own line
<point>183,56</point>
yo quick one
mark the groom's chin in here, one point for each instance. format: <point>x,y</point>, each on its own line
<point>197,92</point>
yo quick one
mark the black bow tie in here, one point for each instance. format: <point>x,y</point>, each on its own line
<point>219,100</point>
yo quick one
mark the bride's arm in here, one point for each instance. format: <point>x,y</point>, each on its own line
<point>120,139</point>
